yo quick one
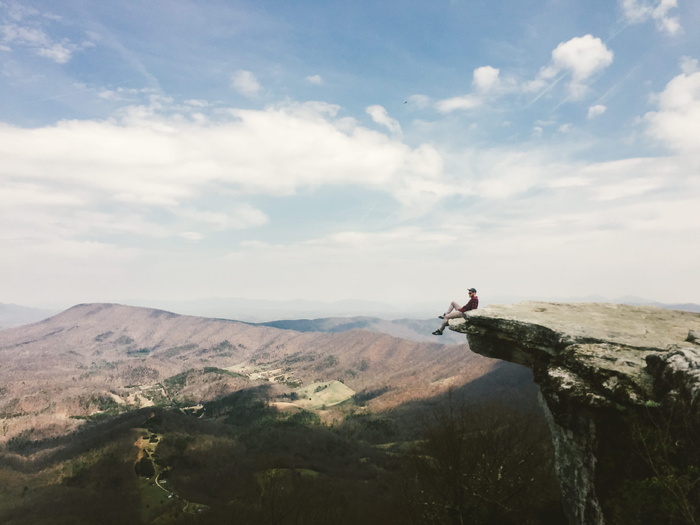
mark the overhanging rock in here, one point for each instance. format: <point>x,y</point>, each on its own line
<point>593,362</point>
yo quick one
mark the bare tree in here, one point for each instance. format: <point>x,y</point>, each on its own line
<point>486,464</point>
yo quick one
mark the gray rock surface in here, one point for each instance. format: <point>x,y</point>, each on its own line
<point>592,362</point>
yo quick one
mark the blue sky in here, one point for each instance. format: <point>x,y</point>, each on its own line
<point>395,151</point>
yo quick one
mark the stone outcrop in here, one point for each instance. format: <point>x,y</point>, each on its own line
<point>597,366</point>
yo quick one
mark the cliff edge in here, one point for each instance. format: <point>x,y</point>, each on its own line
<point>610,377</point>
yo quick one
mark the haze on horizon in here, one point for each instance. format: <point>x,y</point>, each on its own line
<point>396,152</point>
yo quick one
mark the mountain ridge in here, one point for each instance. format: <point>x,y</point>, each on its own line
<point>412,329</point>
<point>260,311</point>
<point>101,357</point>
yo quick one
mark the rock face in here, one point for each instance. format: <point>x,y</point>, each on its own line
<point>598,367</point>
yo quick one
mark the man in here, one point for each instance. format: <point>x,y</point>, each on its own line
<point>454,311</point>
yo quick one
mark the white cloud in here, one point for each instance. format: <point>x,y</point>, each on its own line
<point>192,236</point>
<point>404,236</point>
<point>521,203</point>
<point>486,78</point>
<point>582,57</point>
<point>126,94</point>
<point>596,111</point>
<point>640,180</point>
<point>486,81</point>
<point>506,174</point>
<point>677,121</point>
<point>579,58</point>
<point>239,217</point>
<point>59,53</point>
<point>401,255</point>
<point>13,33</point>
<point>245,83</point>
<point>37,40</point>
<point>197,103</point>
<point>639,11</point>
<point>419,101</point>
<point>20,34</point>
<point>17,12</point>
<point>629,187</point>
<point>63,186</point>
<point>150,175</point>
<point>689,65</point>
<point>147,201</point>
<point>381,117</point>
<point>464,102</point>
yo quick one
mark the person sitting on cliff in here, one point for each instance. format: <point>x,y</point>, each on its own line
<point>454,311</point>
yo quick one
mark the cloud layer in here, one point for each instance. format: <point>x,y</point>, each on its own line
<point>239,150</point>
<point>580,59</point>
<point>662,12</point>
<point>74,187</point>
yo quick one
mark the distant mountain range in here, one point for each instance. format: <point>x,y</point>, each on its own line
<point>688,307</point>
<point>106,358</point>
<point>411,329</point>
<point>414,322</point>
<point>15,315</point>
<point>262,311</point>
<point>122,414</point>
<point>183,415</point>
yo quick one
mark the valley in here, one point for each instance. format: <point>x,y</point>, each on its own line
<point>97,360</point>
<point>182,418</point>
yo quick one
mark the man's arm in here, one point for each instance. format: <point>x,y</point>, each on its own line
<point>473,304</point>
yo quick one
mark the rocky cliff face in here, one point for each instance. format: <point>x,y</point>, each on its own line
<point>608,374</point>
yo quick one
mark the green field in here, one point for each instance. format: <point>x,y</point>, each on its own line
<point>325,394</point>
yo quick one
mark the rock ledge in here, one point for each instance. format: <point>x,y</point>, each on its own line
<point>592,362</point>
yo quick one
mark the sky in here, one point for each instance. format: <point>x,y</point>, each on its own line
<point>399,151</point>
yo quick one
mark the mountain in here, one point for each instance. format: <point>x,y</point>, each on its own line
<point>261,310</point>
<point>15,315</point>
<point>118,414</point>
<point>411,329</point>
<point>687,307</point>
<point>108,358</point>
<point>638,301</point>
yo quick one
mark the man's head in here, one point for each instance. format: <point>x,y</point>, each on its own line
<point>472,291</point>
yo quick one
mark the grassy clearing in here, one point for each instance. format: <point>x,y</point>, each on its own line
<point>317,396</point>
<point>154,501</point>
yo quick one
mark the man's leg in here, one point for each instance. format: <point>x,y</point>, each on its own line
<point>453,306</point>
<point>452,315</point>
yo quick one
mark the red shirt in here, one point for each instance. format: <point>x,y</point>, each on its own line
<point>473,304</point>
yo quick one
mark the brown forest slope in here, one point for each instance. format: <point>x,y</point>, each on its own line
<point>105,358</point>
